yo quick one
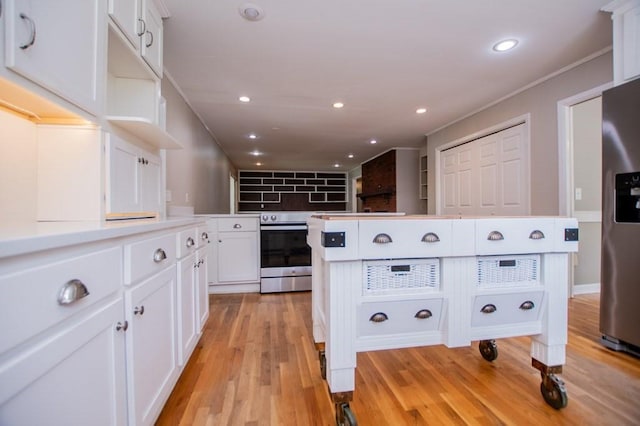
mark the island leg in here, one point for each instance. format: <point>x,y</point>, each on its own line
<point>548,349</point>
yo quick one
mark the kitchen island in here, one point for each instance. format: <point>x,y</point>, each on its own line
<point>383,282</point>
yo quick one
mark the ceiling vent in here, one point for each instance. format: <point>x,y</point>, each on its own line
<point>251,12</point>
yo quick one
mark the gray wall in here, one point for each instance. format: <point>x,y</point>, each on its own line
<point>540,102</point>
<point>198,174</point>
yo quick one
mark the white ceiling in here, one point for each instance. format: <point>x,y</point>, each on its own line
<point>382,58</point>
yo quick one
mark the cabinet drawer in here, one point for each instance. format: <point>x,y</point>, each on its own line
<point>30,298</point>
<point>187,242</point>
<point>407,238</point>
<point>507,308</point>
<point>504,236</point>
<point>237,224</point>
<point>379,318</point>
<point>148,256</point>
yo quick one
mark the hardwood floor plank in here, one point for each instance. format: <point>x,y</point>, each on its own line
<point>256,364</point>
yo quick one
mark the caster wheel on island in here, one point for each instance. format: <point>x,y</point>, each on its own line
<point>344,415</point>
<point>323,365</point>
<point>488,349</point>
<point>553,391</point>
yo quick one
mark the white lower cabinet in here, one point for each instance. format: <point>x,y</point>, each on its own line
<point>152,362</point>
<point>75,376</point>
<point>98,333</point>
<point>187,300</point>
<point>202,287</point>
<point>236,255</point>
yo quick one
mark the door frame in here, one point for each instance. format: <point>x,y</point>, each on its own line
<point>566,183</point>
<point>524,118</point>
<point>565,146</point>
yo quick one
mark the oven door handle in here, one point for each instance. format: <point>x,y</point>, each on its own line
<point>284,228</point>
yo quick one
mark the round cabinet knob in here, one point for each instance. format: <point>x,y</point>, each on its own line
<point>138,310</point>
<point>205,236</point>
<point>122,326</point>
<point>273,217</point>
<point>190,242</point>
<point>237,226</point>
<point>265,218</point>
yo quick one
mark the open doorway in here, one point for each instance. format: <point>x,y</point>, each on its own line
<point>580,140</point>
<point>232,194</point>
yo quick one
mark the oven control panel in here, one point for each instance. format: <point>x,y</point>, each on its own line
<point>276,218</point>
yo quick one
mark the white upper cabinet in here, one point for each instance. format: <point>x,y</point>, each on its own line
<point>151,39</point>
<point>126,15</point>
<point>60,46</point>
<point>140,23</point>
<point>626,39</point>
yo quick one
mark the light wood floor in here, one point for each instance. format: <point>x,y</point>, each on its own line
<point>256,365</point>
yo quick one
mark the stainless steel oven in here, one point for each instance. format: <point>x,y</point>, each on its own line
<point>285,257</point>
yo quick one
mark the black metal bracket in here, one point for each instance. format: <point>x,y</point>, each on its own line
<point>571,234</point>
<point>332,239</point>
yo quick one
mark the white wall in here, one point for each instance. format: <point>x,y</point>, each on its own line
<point>18,174</point>
<point>198,174</point>
<point>540,102</point>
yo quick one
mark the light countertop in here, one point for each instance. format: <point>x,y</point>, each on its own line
<point>24,237</point>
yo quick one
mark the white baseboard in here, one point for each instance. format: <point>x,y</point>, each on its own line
<point>585,289</point>
<point>234,288</point>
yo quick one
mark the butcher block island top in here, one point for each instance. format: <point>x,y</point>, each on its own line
<point>384,281</point>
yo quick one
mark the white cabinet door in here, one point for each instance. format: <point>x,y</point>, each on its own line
<point>133,178</point>
<point>126,15</point>
<point>203,287</point>
<point>187,298</point>
<point>238,256</point>
<point>150,178</point>
<point>151,40</point>
<point>123,176</point>
<point>76,377</point>
<point>152,367</point>
<point>60,45</point>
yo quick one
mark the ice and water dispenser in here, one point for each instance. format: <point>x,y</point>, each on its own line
<point>628,197</point>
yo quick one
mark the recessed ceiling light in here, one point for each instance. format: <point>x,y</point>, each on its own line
<point>251,12</point>
<point>253,136</point>
<point>338,105</point>
<point>258,164</point>
<point>336,165</point>
<point>255,153</point>
<point>373,141</point>
<point>504,45</point>
<point>350,156</point>
<point>244,99</point>
<point>421,110</point>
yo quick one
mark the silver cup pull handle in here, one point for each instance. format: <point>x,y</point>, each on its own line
<point>159,255</point>
<point>72,291</point>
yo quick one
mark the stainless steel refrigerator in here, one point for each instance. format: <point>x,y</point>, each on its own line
<point>620,280</point>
